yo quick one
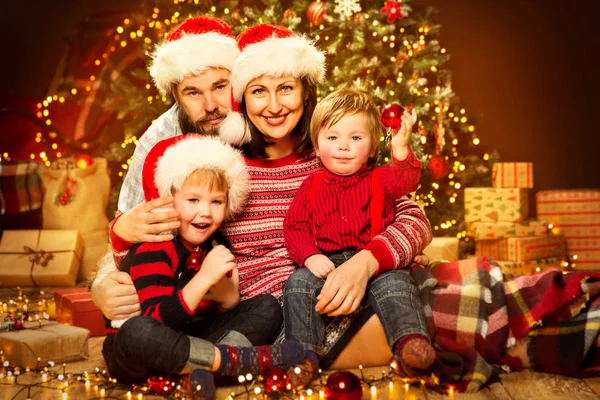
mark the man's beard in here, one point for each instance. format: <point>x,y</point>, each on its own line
<point>188,126</point>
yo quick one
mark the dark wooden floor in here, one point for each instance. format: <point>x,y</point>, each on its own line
<point>525,385</point>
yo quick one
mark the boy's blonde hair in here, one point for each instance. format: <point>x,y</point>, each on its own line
<point>345,102</point>
<point>212,179</point>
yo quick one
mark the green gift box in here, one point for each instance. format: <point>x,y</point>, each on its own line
<point>487,204</point>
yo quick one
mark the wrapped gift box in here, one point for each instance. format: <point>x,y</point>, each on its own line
<point>512,175</point>
<point>518,268</point>
<point>522,248</point>
<point>575,214</point>
<point>40,257</point>
<point>442,249</point>
<point>46,340</point>
<point>75,307</point>
<point>496,204</point>
<point>502,230</point>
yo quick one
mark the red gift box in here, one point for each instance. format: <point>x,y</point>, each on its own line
<point>75,307</point>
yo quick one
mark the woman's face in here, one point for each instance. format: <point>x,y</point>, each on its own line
<point>275,105</point>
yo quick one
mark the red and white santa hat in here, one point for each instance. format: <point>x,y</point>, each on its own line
<point>172,160</point>
<point>190,48</point>
<point>269,50</point>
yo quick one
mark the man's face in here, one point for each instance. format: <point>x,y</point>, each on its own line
<point>204,99</point>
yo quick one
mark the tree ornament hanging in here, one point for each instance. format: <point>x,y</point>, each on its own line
<point>276,381</point>
<point>343,385</point>
<point>315,12</point>
<point>346,8</point>
<point>438,165</point>
<point>391,116</point>
<point>392,9</point>
<point>288,15</point>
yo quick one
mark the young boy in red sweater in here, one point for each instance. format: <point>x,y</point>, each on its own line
<point>189,287</point>
<point>336,213</point>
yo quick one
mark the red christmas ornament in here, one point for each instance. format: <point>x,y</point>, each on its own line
<point>392,9</point>
<point>438,167</point>
<point>391,116</point>
<point>276,380</point>
<point>315,12</point>
<point>160,385</point>
<point>19,324</point>
<point>343,385</point>
<point>83,161</point>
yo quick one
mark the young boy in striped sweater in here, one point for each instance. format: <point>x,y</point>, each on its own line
<point>336,213</point>
<point>189,287</point>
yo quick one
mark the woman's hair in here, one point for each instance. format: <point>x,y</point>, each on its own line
<point>345,102</point>
<point>257,147</point>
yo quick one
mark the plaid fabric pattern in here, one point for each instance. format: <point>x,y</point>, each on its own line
<point>474,316</point>
<point>21,187</point>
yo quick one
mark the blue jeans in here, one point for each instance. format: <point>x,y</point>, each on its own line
<point>392,294</point>
<point>144,347</point>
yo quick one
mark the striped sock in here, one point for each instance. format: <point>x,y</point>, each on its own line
<point>243,360</point>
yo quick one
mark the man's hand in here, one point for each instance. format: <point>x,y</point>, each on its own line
<point>116,296</point>
<point>319,265</point>
<point>141,224</point>
<point>345,287</point>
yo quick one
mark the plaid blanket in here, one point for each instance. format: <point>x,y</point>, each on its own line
<point>21,187</point>
<point>474,317</point>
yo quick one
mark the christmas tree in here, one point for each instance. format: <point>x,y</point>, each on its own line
<point>387,49</point>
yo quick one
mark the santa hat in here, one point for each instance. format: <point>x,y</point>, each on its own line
<point>190,48</point>
<point>273,51</point>
<point>172,160</point>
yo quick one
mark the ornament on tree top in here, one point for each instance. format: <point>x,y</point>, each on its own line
<point>346,8</point>
<point>315,12</point>
<point>392,9</point>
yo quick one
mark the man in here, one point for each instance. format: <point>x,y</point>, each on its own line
<point>193,64</point>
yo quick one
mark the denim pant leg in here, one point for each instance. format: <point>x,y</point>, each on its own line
<point>394,297</point>
<point>143,347</point>
<point>301,322</point>
<point>259,319</point>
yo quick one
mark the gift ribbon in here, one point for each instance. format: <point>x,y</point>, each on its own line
<point>40,257</point>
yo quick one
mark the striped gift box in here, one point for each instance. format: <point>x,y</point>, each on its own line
<point>512,175</point>
<point>503,230</point>
<point>511,269</point>
<point>575,214</point>
<point>522,248</point>
<point>492,205</point>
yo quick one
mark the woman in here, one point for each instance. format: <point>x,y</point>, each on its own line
<point>274,81</point>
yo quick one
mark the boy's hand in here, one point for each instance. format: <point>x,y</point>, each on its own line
<point>218,262</point>
<point>401,138</point>
<point>319,265</point>
<point>226,291</point>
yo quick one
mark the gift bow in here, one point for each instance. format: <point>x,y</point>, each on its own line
<point>40,257</point>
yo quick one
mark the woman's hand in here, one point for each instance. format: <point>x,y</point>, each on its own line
<point>345,287</point>
<point>143,223</point>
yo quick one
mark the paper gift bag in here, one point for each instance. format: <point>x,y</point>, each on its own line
<point>40,257</point>
<point>442,249</point>
<point>512,175</point>
<point>46,340</point>
<point>492,205</point>
<point>75,307</point>
<point>76,198</point>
